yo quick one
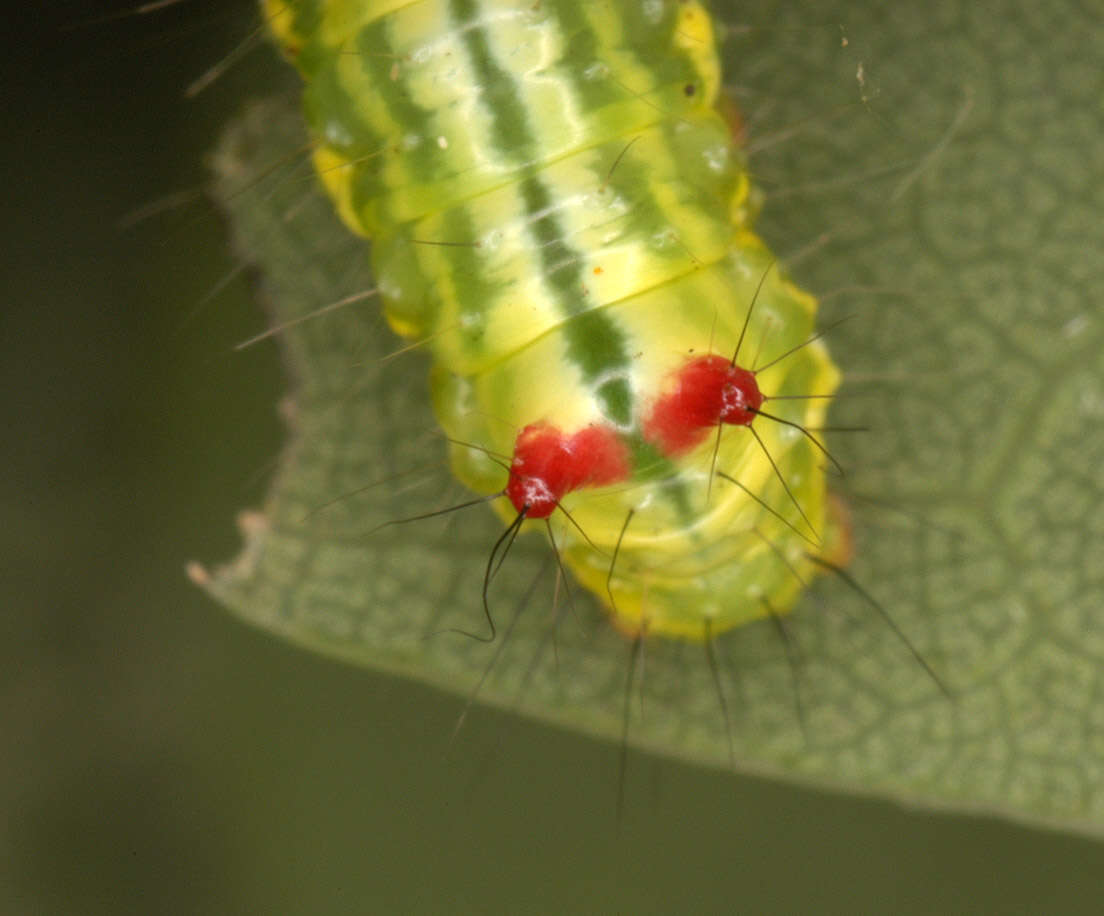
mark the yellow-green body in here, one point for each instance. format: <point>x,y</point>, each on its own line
<point>560,215</point>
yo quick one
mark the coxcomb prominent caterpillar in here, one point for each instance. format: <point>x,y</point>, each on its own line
<point>559,214</point>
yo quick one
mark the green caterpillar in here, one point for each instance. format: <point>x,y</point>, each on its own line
<point>558,212</point>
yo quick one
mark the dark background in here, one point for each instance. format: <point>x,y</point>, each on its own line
<point>159,757</point>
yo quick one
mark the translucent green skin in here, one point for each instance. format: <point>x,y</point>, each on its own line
<point>559,213</point>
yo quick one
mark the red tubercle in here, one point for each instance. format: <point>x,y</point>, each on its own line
<point>741,397</point>
<point>601,458</point>
<point>547,465</point>
<point>706,391</point>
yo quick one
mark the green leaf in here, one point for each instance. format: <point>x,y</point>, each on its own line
<point>959,226</point>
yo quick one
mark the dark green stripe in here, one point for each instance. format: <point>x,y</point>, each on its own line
<point>650,45</point>
<point>468,266</point>
<point>594,342</point>
<point>424,160</point>
<point>498,90</point>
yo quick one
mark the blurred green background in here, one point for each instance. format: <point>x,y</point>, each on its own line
<point>159,757</point>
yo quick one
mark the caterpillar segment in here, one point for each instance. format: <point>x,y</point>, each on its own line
<point>558,211</point>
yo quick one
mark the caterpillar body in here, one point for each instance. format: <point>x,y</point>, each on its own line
<point>558,212</point>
